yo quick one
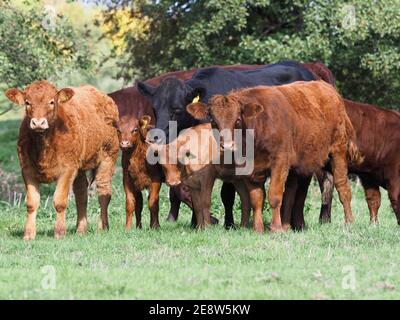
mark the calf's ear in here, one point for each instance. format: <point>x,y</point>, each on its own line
<point>252,109</point>
<point>144,121</point>
<point>146,90</point>
<point>64,95</point>
<point>197,110</point>
<point>15,96</point>
<point>196,94</point>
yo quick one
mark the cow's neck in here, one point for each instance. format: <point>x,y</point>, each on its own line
<point>41,148</point>
<point>138,166</point>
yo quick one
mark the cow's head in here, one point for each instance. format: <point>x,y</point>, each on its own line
<point>42,101</point>
<point>191,152</point>
<point>131,131</point>
<point>169,101</point>
<point>227,113</point>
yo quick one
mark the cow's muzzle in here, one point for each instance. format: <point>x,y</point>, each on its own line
<point>39,125</point>
<point>125,144</point>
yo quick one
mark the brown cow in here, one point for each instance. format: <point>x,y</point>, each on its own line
<point>189,159</point>
<point>297,126</point>
<point>378,139</point>
<point>63,134</point>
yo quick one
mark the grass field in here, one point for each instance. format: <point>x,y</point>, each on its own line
<point>324,262</point>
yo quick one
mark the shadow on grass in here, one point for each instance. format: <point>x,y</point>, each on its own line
<point>43,233</point>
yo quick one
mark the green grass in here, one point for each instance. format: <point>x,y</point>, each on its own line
<point>178,262</point>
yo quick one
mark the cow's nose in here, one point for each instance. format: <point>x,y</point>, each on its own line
<point>125,144</point>
<point>173,182</point>
<point>227,146</point>
<point>40,124</point>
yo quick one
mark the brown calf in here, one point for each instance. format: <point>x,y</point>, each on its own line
<point>297,126</point>
<point>189,159</point>
<point>63,134</point>
<point>138,174</point>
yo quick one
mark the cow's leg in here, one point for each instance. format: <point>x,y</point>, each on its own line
<point>289,197</point>
<point>32,204</point>
<point>279,174</point>
<point>206,192</point>
<point>80,188</point>
<point>228,198</point>
<point>245,203</point>
<point>138,208</point>
<point>60,201</point>
<point>342,184</point>
<point>394,195</point>
<point>373,198</point>
<point>175,204</point>
<point>197,207</point>
<point>154,195</point>
<point>104,175</point>
<point>297,221</point>
<point>257,196</point>
<point>130,202</point>
<point>325,181</point>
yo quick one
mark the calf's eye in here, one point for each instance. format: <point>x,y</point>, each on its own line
<point>134,130</point>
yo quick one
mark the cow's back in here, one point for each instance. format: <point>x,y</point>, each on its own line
<point>378,135</point>
<point>90,118</point>
<point>131,103</point>
<point>299,120</point>
<point>221,80</point>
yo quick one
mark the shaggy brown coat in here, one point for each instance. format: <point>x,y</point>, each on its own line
<point>77,133</point>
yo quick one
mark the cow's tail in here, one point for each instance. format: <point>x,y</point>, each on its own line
<point>92,177</point>
<point>354,154</point>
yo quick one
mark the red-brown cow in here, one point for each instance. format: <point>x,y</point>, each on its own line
<point>299,126</point>
<point>378,139</point>
<point>64,134</point>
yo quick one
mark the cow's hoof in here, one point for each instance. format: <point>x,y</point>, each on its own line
<point>81,229</point>
<point>60,233</point>
<point>349,220</point>
<point>276,229</point>
<point>286,227</point>
<point>29,234</point>
<point>230,226</point>
<point>102,225</point>
<point>171,218</point>
<point>214,220</point>
<point>258,229</point>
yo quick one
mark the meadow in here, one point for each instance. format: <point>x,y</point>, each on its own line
<point>330,261</point>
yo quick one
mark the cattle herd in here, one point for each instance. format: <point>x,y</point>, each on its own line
<point>289,117</point>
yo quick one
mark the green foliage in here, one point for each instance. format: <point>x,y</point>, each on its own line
<point>358,40</point>
<point>36,44</point>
